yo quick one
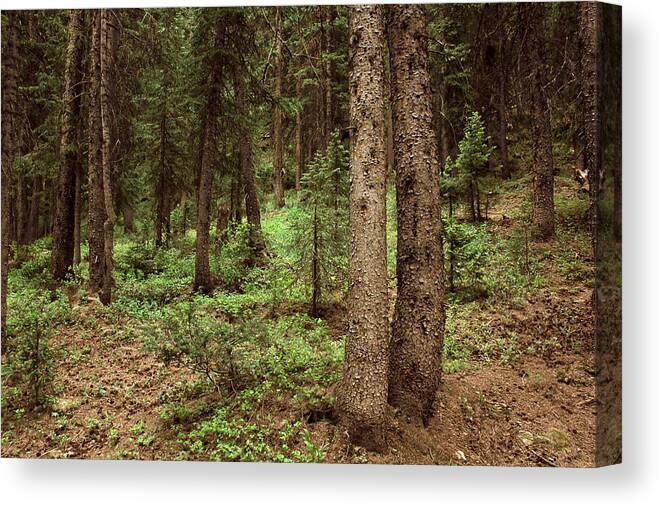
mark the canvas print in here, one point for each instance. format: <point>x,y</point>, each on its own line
<point>319,234</point>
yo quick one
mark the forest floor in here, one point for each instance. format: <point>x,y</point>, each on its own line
<point>518,385</point>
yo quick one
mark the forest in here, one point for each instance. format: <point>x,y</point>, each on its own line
<point>340,234</point>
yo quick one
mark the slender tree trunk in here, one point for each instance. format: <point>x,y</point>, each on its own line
<point>222,221</point>
<point>76,214</point>
<point>505,168</point>
<point>278,140</point>
<point>162,187</point>
<point>128,215</point>
<point>362,397</point>
<point>329,14</point>
<point>316,279</point>
<point>64,222</point>
<point>590,21</point>
<point>35,208</point>
<point>237,195</point>
<point>23,206</point>
<point>96,215</point>
<point>253,214</point>
<point>107,48</point>
<point>419,322</point>
<point>203,281</point>
<point>299,137</point>
<point>542,142</point>
<point>9,123</point>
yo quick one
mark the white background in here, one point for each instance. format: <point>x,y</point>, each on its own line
<point>636,482</point>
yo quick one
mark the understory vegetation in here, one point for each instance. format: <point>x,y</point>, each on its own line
<point>255,371</point>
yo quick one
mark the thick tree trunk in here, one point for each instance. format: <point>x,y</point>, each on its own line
<point>9,122</point>
<point>362,398</point>
<point>278,133</point>
<point>542,141</point>
<point>203,281</point>
<point>418,326</point>
<point>65,205</point>
<point>253,213</point>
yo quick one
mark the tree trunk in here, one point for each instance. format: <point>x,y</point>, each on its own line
<point>101,215</point>
<point>329,14</point>
<point>362,397</point>
<point>418,326</point>
<point>76,214</point>
<point>505,168</point>
<point>278,141</point>
<point>107,49</point>
<point>96,215</point>
<point>129,217</point>
<point>203,280</point>
<point>299,137</point>
<point>316,279</point>
<point>35,208</point>
<point>162,187</point>
<point>65,205</point>
<point>23,210</point>
<point>542,142</point>
<point>9,122</point>
<point>237,195</point>
<point>590,21</point>
<point>253,214</point>
<point>222,221</point>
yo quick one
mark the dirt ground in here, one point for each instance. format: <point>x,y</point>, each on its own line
<point>529,414</point>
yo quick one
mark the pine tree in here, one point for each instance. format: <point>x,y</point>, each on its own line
<point>419,322</point>
<point>362,398</point>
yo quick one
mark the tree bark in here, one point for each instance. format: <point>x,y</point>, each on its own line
<point>590,21</point>
<point>162,186</point>
<point>76,215</point>
<point>362,398</point>
<point>418,326</point>
<point>35,207</point>
<point>253,213</point>
<point>203,281</point>
<point>505,167</point>
<point>542,141</point>
<point>107,50</point>
<point>9,122</point>
<point>329,14</point>
<point>65,205</point>
<point>299,138</point>
<point>96,215</point>
<point>23,210</point>
<point>278,141</point>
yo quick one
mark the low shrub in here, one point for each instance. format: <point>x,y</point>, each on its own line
<point>27,368</point>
